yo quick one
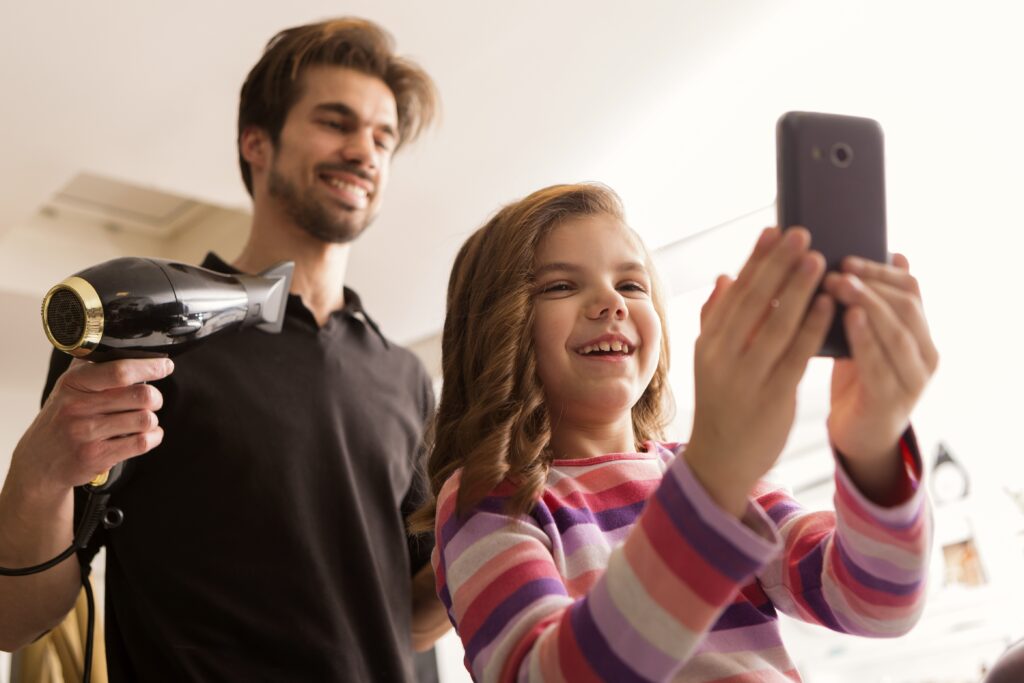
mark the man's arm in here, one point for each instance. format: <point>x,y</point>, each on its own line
<point>429,618</point>
<point>35,526</point>
<point>96,416</point>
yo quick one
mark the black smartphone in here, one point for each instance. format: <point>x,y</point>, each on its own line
<point>831,180</point>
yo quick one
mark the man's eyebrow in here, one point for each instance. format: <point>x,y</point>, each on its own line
<point>343,109</point>
<point>566,267</point>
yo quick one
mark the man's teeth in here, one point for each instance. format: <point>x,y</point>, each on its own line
<point>347,187</point>
<point>616,346</point>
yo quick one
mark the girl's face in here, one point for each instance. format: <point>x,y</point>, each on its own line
<point>597,334</point>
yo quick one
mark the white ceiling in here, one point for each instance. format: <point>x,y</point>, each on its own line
<point>672,103</point>
<point>534,93</point>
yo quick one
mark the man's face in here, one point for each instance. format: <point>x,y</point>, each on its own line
<point>330,165</point>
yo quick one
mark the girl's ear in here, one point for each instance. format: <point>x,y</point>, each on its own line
<point>255,147</point>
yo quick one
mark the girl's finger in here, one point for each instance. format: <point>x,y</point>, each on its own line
<point>785,313</point>
<point>722,283</point>
<point>908,310</point>
<point>769,237</point>
<point>894,275</point>
<point>896,338</point>
<point>793,364</point>
<point>874,359</point>
<point>751,297</point>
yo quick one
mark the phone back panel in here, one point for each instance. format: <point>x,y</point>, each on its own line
<point>831,180</point>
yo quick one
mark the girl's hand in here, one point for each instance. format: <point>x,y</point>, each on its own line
<point>754,346</point>
<point>892,359</point>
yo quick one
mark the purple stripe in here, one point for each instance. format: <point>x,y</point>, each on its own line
<point>607,520</point>
<point>901,517</point>
<point>508,608</point>
<point>810,570</point>
<point>782,509</point>
<point>595,648</point>
<point>647,659</point>
<point>446,598</point>
<point>755,536</point>
<point>455,521</point>
<point>871,581</point>
<point>472,529</point>
<point>704,539</point>
<point>743,614</point>
<point>880,566</point>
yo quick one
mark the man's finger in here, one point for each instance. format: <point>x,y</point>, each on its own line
<point>93,377</point>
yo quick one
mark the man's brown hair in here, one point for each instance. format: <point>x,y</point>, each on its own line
<point>274,84</point>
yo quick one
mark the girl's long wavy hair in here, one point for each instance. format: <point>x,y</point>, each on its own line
<point>492,420</point>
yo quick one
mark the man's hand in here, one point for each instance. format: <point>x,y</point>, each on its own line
<point>97,415</point>
<point>892,359</point>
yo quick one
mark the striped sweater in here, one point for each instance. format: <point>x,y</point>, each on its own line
<point>626,570</point>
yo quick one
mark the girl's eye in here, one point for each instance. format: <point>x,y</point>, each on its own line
<point>556,287</point>
<point>633,287</point>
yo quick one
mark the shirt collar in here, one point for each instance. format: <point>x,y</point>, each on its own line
<point>353,307</point>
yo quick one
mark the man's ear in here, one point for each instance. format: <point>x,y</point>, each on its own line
<point>255,147</point>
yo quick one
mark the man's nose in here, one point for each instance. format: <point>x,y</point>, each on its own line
<point>361,148</point>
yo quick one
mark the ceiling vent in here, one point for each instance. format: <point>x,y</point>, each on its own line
<point>121,206</point>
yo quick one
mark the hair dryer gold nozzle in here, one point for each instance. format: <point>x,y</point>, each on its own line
<point>73,316</point>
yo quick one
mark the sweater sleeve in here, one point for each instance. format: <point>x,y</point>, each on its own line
<point>859,570</point>
<point>681,564</point>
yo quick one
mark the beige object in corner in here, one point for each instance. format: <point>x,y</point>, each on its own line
<point>57,657</point>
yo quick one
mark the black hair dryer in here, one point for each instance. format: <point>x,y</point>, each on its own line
<point>144,308</point>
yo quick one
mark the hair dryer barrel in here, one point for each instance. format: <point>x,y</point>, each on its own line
<point>139,307</point>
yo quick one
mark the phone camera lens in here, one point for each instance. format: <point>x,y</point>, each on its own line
<point>841,154</point>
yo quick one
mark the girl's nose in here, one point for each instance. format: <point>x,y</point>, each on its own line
<point>610,305</point>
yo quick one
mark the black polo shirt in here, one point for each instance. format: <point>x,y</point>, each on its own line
<point>263,540</point>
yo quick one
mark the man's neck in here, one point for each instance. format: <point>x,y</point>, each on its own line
<point>320,267</point>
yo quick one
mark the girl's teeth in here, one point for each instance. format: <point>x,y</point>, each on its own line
<point>616,346</point>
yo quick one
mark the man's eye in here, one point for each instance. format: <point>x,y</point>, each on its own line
<point>336,125</point>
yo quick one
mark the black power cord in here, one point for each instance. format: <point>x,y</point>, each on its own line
<point>96,512</point>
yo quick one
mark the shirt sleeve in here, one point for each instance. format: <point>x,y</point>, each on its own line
<point>420,545</point>
<point>859,570</point>
<point>681,564</point>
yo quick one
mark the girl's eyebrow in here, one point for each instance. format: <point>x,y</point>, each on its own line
<point>565,267</point>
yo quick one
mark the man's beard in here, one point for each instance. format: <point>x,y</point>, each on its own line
<point>311,215</point>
